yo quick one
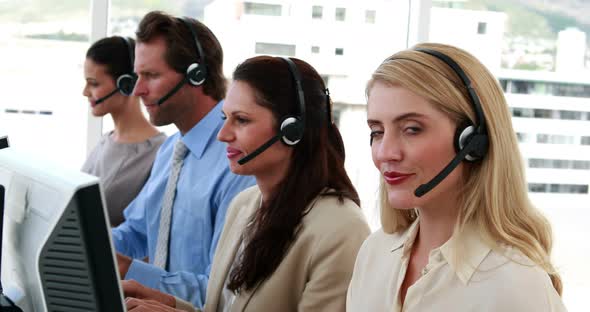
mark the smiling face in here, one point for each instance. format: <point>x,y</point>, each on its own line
<point>248,126</point>
<point>412,142</point>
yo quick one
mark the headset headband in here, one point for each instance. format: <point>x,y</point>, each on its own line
<point>299,89</point>
<point>480,122</point>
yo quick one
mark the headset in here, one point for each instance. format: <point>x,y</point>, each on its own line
<point>471,139</point>
<point>126,82</point>
<point>196,73</point>
<point>291,127</point>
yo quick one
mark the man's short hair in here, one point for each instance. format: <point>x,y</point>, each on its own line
<point>181,50</point>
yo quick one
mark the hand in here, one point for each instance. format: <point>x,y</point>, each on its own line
<point>141,305</point>
<point>123,262</point>
<point>134,289</point>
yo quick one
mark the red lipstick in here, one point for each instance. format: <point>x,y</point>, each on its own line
<point>394,178</point>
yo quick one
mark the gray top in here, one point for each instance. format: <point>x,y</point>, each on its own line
<point>123,169</point>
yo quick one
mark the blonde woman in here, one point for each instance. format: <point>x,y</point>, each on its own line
<point>458,230</point>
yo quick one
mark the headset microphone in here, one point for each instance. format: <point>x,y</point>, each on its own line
<point>174,90</point>
<point>259,150</point>
<point>102,99</point>
<point>473,145</point>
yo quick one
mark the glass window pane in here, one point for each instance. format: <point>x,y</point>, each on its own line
<point>43,44</point>
<point>481,28</point>
<point>125,14</point>
<point>340,14</point>
<point>262,9</point>
<point>317,12</point>
<point>275,48</point>
<point>370,16</point>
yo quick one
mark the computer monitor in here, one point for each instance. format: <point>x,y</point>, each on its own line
<point>57,251</point>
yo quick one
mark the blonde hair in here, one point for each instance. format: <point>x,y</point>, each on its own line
<point>494,193</point>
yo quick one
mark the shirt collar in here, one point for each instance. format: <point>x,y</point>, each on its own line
<point>465,251</point>
<point>198,137</point>
<point>405,238</point>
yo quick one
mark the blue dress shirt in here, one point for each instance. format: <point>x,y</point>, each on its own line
<point>204,190</point>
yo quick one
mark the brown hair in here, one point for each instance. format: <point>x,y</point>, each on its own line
<point>317,164</point>
<point>182,51</point>
<point>113,53</point>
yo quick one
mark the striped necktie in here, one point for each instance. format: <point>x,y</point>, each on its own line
<point>162,245</point>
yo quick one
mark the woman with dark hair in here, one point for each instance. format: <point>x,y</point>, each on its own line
<point>289,243</point>
<point>123,157</point>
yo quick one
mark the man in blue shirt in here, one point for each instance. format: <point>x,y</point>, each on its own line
<point>180,81</point>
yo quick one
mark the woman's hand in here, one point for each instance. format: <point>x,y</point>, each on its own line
<point>136,290</point>
<point>141,305</point>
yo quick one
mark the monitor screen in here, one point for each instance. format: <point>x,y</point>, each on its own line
<point>57,251</point>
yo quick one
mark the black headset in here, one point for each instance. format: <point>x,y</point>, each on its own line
<point>291,127</point>
<point>126,82</point>
<point>196,73</point>
<point>471,139</point>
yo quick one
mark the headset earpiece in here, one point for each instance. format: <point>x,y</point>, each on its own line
<point>291,130</point>
<point>465,134</point>
<point>195,75</point>
<point>126,84</point>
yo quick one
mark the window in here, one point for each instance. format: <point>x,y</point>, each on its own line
<point>522,112</point>
<point>253,8</point>
<point>558,188</point>
<point>555,139</point>
<point>545,88</point>
<point>275,48</point>
<point>42,37</point>
<point>339,51</point>
<point>542,113</point>
<point>523,137</point>
<point>558,164</point>
<point>125,15</point>
<point>315,49</point>
<point>547,113</point>
<point>585,140</point>
<point>340,14</point>
<point>481,28</point>
<point>570,115</point>
<point>370,16</point>
<point>317,12</point>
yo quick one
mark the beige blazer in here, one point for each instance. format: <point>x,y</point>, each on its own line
<point>314,274</point>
